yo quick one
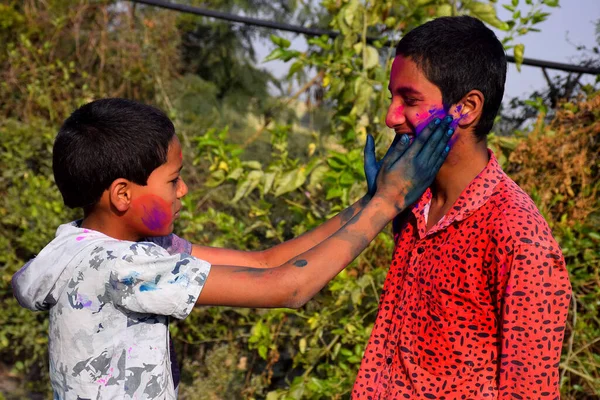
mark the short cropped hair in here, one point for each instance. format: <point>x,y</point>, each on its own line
<point>460,54</point>
<point>105,140</point>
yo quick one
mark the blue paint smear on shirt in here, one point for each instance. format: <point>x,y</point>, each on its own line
<point>130,279</point>
<point>147,287</point>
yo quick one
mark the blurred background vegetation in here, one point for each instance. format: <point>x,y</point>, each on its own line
<point>267,159</point>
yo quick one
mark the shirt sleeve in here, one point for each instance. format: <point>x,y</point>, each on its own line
<point>146,279</point>
<point>535,304</point>
<point>172,243</point>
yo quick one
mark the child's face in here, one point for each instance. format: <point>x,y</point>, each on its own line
<point>415,99</point>
<point>155,206</point>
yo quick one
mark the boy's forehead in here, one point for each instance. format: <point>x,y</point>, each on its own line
<point>405,69</point>
<point>408,77</point>
<point>175,153</point>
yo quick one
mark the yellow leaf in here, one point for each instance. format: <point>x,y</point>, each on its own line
<point>519,51</point>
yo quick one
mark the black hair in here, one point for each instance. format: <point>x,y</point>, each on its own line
<point>460,54</point>
<point>105,140</point>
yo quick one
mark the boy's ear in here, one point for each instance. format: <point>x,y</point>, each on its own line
<point>469,108</point>
<point>119,194</point>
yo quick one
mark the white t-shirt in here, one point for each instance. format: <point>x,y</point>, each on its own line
<point>110,302</point>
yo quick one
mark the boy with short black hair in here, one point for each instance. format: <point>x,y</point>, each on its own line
<point>112,280</point>
<point>475,302</point>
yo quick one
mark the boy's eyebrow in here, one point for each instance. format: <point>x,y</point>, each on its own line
<point>178,171</point>
<point>405,90</point>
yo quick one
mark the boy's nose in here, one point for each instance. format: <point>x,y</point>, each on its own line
<point>183,189</point>
<point>395,116</point>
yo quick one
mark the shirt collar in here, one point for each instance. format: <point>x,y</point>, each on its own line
<point>475,195</point>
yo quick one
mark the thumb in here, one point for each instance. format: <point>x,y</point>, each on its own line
<point>397,149</point>
<point>370,160</point>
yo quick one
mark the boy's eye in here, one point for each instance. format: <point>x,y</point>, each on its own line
<point>174,181</point>
<point>410,101</point>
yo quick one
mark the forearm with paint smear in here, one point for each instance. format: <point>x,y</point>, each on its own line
<point>279,254</point>
<point>297,280</point>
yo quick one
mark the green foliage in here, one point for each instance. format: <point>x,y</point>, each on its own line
<point>262,170</point>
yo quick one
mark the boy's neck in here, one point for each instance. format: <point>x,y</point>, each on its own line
<point>466,160</point>
<point>110,225</point>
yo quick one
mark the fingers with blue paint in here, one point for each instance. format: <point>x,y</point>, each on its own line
<point>409,169</point>
<point>371,165</point>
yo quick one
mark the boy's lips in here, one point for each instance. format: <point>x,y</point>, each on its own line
<point>411,135</point>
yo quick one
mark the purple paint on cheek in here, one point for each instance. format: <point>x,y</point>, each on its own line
<point>155,217</point>
<point>433,113</point>
<point>80,238</point>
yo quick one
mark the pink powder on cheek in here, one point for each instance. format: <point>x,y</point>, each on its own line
<point>426,118</point>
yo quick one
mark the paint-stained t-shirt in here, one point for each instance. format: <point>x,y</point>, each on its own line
<point>110,302</point>
<point>474,308</point>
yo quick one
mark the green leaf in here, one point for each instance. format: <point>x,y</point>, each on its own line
<point>297,66</point>
<point>290,181</point>
<point>262,351</point>
<point>316,177</point>
<point>371,58</point>
<point>252,164</point>
<point>275,55</point>
<point>281,42</point>
<point>235,174</point>
<point>364,92</point>
<point>350,12</point>
<point>269,178</point>
<point>445,10</point>
<point>334,192</point>
<point>358,47</point>
<point>246,186</point>
<point>519,51</point>
<point>594,235</point>
<point>551,3</point>
<point>487,13</point>
<point>302,345</point>
<point>347,179</point>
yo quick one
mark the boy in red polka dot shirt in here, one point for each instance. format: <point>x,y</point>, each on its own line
<point>476,298</point>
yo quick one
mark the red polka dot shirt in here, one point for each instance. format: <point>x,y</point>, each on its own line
<point>474,308</point>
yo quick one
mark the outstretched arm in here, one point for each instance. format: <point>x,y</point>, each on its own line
<point>400,182</point>
<point>279,254</point>
<point>297,280</point>
<point>282,252</point>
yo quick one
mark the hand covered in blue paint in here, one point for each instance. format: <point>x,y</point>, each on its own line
<point>372,166</point>
<point>407,170</point>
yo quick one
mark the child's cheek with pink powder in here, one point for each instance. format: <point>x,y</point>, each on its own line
<point>154,212</point>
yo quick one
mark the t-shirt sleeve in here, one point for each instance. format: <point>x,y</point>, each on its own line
<point>147,279</point>
<point>172,243</point>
